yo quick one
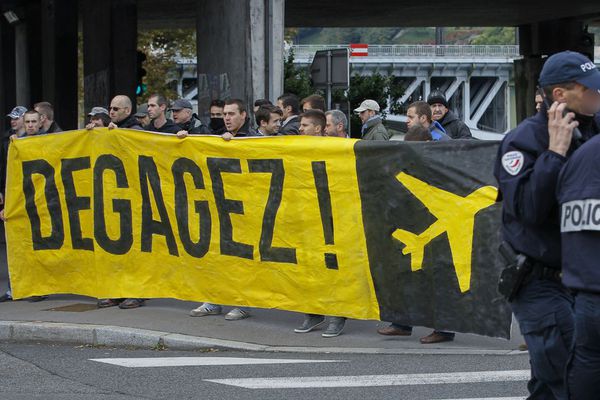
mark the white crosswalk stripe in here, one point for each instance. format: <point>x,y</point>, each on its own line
<point>201,361</point>
<point>375,380</point>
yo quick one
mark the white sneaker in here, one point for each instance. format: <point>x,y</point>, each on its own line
<point>236,314</point>
<point>206,309</point>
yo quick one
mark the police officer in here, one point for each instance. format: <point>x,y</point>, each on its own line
<point>579,196</point>
<point>527,168</point>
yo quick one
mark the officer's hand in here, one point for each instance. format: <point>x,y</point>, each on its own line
<point>560,128</point>
<point>227,136</point>
<point>182,134</point>
<point>112,125</point>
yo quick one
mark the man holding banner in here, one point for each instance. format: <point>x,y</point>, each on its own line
<point>527,168</point>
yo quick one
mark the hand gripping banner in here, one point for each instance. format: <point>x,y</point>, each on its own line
<point>403,232</point>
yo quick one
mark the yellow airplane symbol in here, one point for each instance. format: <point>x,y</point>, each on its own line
<point>455,216</point>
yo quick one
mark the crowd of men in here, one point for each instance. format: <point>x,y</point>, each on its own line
<point>427,121</point>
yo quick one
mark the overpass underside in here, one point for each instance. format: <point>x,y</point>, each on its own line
<point>240,39</point>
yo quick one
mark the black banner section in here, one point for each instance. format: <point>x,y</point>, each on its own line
<point>422,203</point>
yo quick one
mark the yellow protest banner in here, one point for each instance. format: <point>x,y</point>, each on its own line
<point>263,222</point>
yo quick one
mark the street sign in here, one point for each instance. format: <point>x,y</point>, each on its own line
<point>359,50</point>
<point>330,67</point>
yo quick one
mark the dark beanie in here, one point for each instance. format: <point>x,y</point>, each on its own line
<point>437,97</point>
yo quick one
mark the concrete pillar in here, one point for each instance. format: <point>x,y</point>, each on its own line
<point>109,50</point>
<point>240,50</point>
<point>7,68</point>
<point>537,41</point>
<point>22,83</point>
<point>59,56</point>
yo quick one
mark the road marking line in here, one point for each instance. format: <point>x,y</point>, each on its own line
<point>200,361</point>
<point>375,380</point>
<point>490,398</point>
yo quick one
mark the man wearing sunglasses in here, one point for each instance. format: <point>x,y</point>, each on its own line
<point>120,114</point>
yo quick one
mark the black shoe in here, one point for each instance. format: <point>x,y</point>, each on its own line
<point>5,297</point>
<point>104,303</point>
<point>35,299</point>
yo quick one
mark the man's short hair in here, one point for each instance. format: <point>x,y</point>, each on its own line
<point>29,112</point>
<point>262,102</point>
<point>338,117</point>
<point>316,102</point>
<point>290,100</point>
<point>160,99</point>
<point>217,103</point>
<point>264,113</point>
<point>316,116</point>
<point>549,89</point>
<point>422,108</point>
<point>417,133</point>
<point>44,108</point>
<point>239,103</point>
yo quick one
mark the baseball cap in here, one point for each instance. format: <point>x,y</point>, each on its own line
<point>570,66</point>
<point>97,110</point>
<point>17,112</point>
<point>437,97</point>
<point>181,104</point>
<point>142,111</point>
<point>367,105</point>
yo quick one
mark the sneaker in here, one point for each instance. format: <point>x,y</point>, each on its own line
<point>206,309</point>
<point>131,303</point>
<point>236,314</point>
<point>311,321</point>
<point>5,297</point>
<point>335,327</point>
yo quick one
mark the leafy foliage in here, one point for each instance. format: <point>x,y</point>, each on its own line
<point>162,47</point>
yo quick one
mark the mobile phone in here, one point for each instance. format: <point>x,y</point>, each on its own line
<point>576,132</point>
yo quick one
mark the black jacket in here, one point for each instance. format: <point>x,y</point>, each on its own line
<point>246,130</point>
<point>291,128</point>
<point>54,128</point>
<point>454,127</point>
<point>195,126</point>
<point>527,173</point>
<point>130,123</point>
<point>168,127</point>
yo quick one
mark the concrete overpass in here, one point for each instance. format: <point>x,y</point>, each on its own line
<point>239,39</point>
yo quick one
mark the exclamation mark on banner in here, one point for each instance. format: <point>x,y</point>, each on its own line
<point>322,184</point>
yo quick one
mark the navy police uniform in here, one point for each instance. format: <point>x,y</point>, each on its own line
<point>579,196</point>
<point>527,173</point>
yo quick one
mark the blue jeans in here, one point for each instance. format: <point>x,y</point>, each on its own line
<point>544,310</point>
<point>583,377</point>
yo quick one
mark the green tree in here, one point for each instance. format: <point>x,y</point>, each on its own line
<point>296,80</point>
<point>162,48</point>
<point>375,87</point>
<point>495,35</point>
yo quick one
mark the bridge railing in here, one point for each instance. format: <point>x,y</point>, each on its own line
<point>418,51</point>
<point>423,51</point>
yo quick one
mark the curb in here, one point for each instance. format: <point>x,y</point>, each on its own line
<point>102,335</point>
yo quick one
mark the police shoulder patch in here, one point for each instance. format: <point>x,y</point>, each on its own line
<point>513,162</point>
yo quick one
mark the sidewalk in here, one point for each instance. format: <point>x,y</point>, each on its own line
<point>266,330</point>
<point>166,322</point>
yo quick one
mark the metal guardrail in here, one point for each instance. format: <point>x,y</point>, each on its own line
<point>307,52</point>
<point>418,51</point>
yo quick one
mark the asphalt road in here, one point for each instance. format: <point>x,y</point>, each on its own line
<point>39,371</point>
